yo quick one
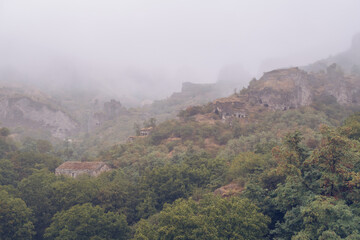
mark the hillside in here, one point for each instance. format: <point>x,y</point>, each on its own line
<point>32,113</point>
<point>273,144</point>
<point>259,116</point>
<point>281,151</point>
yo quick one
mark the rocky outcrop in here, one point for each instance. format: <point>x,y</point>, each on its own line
<point>23,111</point>
<point>282,89</point>
<point>290,88</point>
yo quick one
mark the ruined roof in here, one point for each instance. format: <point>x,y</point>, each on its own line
<point>81,165</point>
<point>146,129</point>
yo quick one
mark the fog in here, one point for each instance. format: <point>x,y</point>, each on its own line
<point>147,48</point>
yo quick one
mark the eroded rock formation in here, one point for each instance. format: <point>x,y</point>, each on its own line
<point>290,88</point>
<point>26,112</point>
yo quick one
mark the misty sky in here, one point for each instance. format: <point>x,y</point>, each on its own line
<point>163,43</point>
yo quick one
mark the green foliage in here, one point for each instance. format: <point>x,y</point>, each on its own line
<point>210,218</point>
<point>246,165</point>
<point>4,132</point>
<point>35,191</point>
<point>82,222</point>
<point>43,146</point>
<point>150,123</point>
<point>26,162</point>
<point>116,193</point>
<point>193,110</point>
<point>191,130</point>
<point>6,147</point>
<point>291,155</point>
<point>170,182</point>
<point>290,194</point>
<point>307,181</point>
<point>137,129</point>
<point>15,218</point>
<point>351,127</point>
<point>67,192</point>
<point>322,218</point>
<point>36,145</point>
<point>8,176</point>
<point>335,158</point>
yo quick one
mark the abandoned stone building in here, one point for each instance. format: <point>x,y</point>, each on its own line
<point>145,131</point>
<point>230,108</point>
<point>74,169</point>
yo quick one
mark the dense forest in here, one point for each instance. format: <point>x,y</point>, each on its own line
<point>290,175</point>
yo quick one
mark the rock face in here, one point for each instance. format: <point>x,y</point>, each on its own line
<point>290,88</point>
<point>282,89</point>
<point>23,111</point>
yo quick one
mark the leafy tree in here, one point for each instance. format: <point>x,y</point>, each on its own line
<point>83,222</point>
<point>4,132</point>
<point>335,159</point>
<point>290,194</point>
<point>180,178</point>
<point>6,147</point>
<point>8,175</point>
<point>137,129</point>
<point>15,218</point>
<point>210,218</point>
<point>26,162</point>
<point>43,146</point>
<point>150,123</point>
<point>117,193</point>
<point>327,217</point>
<point>291,155</point>
<point>67,192</point>
<point>247,164</point>
<point>168,183</point>
<point>351,127</point>
<point>35,191</point>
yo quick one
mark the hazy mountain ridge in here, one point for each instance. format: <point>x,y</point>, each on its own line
<point>349,60</point>
<point>283,89</point>
<point>90,113</point>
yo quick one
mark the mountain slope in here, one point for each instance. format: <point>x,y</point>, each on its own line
<point>28,110</point>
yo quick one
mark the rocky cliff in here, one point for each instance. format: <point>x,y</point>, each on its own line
<point>290,88</point>
<point>34,112</point>
<point>282,89</point>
